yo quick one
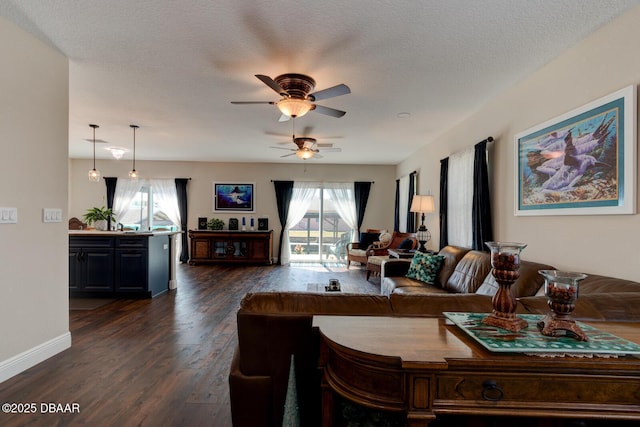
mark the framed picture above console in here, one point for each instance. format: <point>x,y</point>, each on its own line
<point>233,197</point>
<point>580,163</point>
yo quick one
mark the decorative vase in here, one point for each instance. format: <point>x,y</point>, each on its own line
<point>505,260</point>
<point>100,225</point>
<point>561,287</point>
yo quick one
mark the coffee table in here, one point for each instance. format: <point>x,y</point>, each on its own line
<point>425,367</point>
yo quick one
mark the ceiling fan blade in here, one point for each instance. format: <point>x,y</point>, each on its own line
<point>287,155</point>
<point>253,102</point>
<point>284,118</point>
<point>329,111</point>
<point>317,156</point>
<point>331,92</point>
<point>324,145</point>
<point>282,148</point>
<point>272,84</point>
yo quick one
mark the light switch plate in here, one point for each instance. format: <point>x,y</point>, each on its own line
<point>8,215</point>
<point>51,215</point>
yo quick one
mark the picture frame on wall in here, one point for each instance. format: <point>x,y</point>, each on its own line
<point>233,197</point>
<point>580,163</point>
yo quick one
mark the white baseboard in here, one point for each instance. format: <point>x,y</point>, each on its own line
<point>33,356</point>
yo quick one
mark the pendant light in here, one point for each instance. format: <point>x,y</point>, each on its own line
<point>94,174</point>
<point>134,174</point>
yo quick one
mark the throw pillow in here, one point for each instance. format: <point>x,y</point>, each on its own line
<point>385,238</point>
<point>406,244</point>
<point>367,239</point>
<point>425,267</point>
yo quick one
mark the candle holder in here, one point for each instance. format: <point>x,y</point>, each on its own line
<point>505,260</point>
<point>561,287</point>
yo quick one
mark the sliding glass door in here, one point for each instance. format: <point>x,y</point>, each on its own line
<point>323,233</point>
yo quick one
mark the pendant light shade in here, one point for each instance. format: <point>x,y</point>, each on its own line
<point>94,174</point>
<point>134,174</point>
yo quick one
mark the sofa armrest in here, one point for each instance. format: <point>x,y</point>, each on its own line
<point>395,267</point>
<point>251,397</point>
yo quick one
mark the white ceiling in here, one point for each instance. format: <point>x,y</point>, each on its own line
<point>172,67</point>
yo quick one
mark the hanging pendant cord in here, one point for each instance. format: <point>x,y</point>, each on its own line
<point>134,148</point>
<point>94,148</point>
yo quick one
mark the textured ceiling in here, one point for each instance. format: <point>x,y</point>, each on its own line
<point>172,67</point>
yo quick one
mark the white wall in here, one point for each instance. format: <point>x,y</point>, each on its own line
<point>601,64</point>
<point>379,213</point>
<point>33,175</point>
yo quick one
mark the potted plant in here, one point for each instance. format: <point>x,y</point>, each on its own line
<point>215,224</point>
<point>99,217</point>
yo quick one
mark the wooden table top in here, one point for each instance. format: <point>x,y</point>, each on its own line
<point>423,342</point>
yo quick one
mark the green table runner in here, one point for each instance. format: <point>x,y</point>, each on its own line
<point>531,341</point>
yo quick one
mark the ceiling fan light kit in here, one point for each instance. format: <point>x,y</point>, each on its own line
<point>293,107</point>
<point>297,99</point>
<point>305,153</point>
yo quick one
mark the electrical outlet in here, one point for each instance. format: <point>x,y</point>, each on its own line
<point>51,215</point>
<point>8,215</point>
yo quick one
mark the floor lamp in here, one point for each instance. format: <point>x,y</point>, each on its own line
<point>422,205</point>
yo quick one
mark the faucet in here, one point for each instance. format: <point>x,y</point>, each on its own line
<point>120,226</point>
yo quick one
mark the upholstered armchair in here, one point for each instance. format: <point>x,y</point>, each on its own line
<point>377,255</point>
<point>357,251</point>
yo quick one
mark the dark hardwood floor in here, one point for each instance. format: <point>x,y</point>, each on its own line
<point>161,361</point>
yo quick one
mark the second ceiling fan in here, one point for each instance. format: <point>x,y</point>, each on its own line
<point>297,96</point>
<point>307,148</point>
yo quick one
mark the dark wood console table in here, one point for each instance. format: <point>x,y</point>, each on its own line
<point>235,247</point>
<point>424,367</point>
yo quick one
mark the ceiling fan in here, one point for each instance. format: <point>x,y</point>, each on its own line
<point>297,99</point>
<point>308,148</point>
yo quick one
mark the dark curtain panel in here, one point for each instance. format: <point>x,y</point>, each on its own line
<point>481,209</point>
<point>181,190</point>
<point>361,192</point>
<point>111,192</point>
<point>444,172</point>
<point>284,192</point>
<point>411,217</point>
<point>396,218</point>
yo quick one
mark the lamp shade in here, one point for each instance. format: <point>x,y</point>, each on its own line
<point>294,107</point>
<point>422,204</point>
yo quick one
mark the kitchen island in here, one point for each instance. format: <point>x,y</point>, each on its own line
<point>121,263</point>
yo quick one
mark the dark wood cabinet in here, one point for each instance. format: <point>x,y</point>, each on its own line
<point>91,265</point>
<point>242,247</point>
<point>119,265</point>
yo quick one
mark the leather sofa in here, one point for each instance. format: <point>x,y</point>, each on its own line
<point>464,271</point>
<point>272,326</point>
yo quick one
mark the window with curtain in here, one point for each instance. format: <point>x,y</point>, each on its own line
<point>322,218</point>
<point>147,204</point>
<point>465,204</point>
<point>404,220</point>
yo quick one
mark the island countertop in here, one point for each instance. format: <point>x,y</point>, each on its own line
<point>121,233</point>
